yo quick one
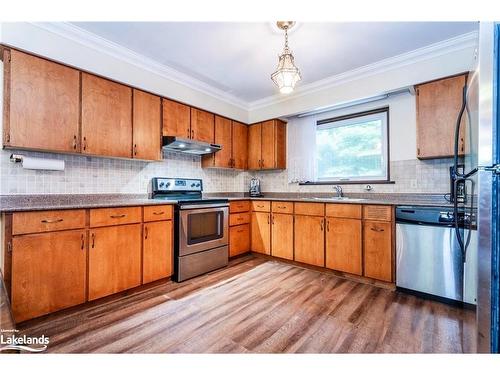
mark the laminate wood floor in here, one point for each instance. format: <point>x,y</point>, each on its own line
<point>260,306</point>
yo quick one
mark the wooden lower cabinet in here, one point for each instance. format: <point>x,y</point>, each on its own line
<point>309,240</point>
<point>261,232</point>
<point>239,239</point>
<point>157,251</point>
<point>114,259</point>
<point>48,272</point>
<point>343,245</point>
<point>282,236</point>
<point>377,245</point>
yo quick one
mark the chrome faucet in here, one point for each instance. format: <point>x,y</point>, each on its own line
<point>338,190</point>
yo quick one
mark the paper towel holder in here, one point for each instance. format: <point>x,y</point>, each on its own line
<point>16,158</point>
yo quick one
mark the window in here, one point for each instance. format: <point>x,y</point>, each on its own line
<point>353,148</point>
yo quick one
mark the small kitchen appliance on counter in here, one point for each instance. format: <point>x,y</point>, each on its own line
<point>201,227</point>
<point>255,188</point>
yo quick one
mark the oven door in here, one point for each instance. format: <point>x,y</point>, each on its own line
<point>202,227</point>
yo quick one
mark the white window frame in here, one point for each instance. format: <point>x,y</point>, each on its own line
<point>379,114</point>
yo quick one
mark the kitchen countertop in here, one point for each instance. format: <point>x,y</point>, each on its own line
<point>11,203</point>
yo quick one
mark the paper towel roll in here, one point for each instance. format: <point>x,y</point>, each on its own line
<point>39,163</point>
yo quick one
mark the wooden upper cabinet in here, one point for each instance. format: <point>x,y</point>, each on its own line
<point>223,136</point>
<point>240,145</point>
<point>267,145</point>
<point>202,125</point>
<point>41,104</point>
<point>146,126</point>
<point>106,117</point>
<point>254,141</point>
<point>438,106</point>
<point>176,119</point>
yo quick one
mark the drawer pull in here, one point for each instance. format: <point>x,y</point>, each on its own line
<point>239,218</point>
<point>376,229</point>
<point>158,213</point>
<point>117,216</point>
<point>240,230</point>
<point>282,207</point>
<point>48,221</point>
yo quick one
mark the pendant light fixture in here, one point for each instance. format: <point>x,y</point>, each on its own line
<point>286,74</point>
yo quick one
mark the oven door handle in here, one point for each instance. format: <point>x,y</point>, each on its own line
<point>202,206</point>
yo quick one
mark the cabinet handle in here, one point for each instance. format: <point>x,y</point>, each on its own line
<point>117,216</point>
<point>84,143</point>
<point>83,242</point>
<point>239,231</point>
<point>189,133</point>
<point>230,162</point>
<point>328,225</point>
<point>272,219</point>
<point>376,229</point>
<point>262,163</point>
<point>135,149</point>
<point>74,142</point>
<point>93,240</point>
<point>282,207</point>
<point>145,233</point>
<point>47,221</point>
<point>268,221</point>
<point>321,224</point>
<point>239,218</point>
<point>158,213</point>
<point>192,134</point>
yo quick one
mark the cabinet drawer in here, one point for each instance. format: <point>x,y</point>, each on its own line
<point>282,207</point>
<point>239,218</point>
<point>313,209</point>
<point>349,211</point>
<point>101,217</point>
<point>157,213</point>
<point>261,206</point>
<point>239,239</point>
<point>239,206</point>
<point>382,213</point>
<point>46,221</point>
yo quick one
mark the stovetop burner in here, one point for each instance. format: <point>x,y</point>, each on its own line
<point>186,191</point>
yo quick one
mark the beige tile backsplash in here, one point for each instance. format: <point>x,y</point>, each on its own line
<point>88,175</point>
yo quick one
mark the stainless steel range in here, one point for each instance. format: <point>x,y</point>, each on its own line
<point>201,234</point>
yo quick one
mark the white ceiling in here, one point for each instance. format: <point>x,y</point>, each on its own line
<point>238,58</point>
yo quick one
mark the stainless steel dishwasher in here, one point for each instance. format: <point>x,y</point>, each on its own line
<point>428,258</point>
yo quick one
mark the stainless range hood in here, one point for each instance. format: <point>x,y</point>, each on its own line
<point>189,146</point>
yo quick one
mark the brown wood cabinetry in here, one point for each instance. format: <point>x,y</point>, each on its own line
<point>239,239</point>
<point>48,272</point>
<point>438,105</point>
<point>146,126</point>
<point>309,240</point>
<point>377,246</point>
<point>267,145</point>
<point>106,117</point>
<point>282,235</point>
<point>47,221</point>
<point>176,119</point>
<point>157,250</point>
<point>202,125</point>
<point>114,259</point>
<point>240,145</point>
<point>232,137</point>
<point>41,104</point>
<point>261,232</point>
<point>343,245</point>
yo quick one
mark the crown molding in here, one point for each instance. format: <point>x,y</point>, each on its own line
<point>444,47</point>
<point>102,45</point>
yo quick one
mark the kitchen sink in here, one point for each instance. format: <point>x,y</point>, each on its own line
<point>339,199</point>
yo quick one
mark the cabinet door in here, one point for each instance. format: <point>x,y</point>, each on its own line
<point>268,145</point>
<point>240,142</point>
<point>261,232</point>
<point>280,144</point>
<point>114,259</point>
<point>239,239</point>
<point>106,117</point>
<point>254,146</point>
<point>176,119</point>
<point>48,272</point>
<point>223,133</point>
<point>42,104</point>
<point>157,247</point>
<point>377,243</point>
<point>146,126</point>
<point>343,245</point>
<point>282,236</point>
<point>309,240</point>
<point>202,125</point>
<point>438,105</point>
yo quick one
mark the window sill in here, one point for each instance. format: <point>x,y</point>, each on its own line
<point>367,182</point>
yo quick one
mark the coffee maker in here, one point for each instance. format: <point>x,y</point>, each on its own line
<point>255,188</point>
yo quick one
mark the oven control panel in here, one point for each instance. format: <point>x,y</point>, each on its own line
<point>161,184</point>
